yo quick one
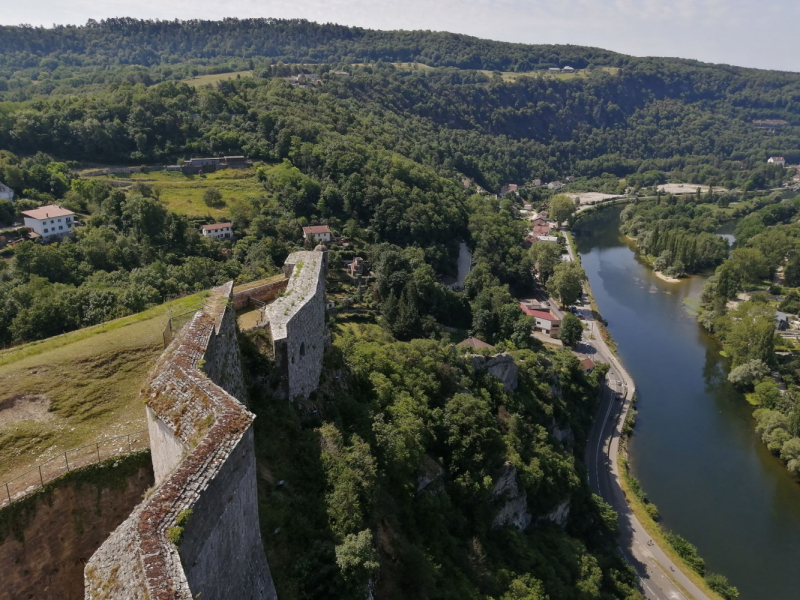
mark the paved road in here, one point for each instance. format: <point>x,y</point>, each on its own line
<point>657,573</point>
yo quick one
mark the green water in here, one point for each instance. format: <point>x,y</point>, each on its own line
<point>694,448</point>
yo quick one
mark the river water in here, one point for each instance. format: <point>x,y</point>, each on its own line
<point>694,447</point>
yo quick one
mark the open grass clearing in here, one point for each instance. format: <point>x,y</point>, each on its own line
<point>183,194</point>
<point>88,380</point>
<point>215,78</point>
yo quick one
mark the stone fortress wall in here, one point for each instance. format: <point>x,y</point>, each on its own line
<point>204,462</point>
<point>297,322</point>
<point>197,534</point>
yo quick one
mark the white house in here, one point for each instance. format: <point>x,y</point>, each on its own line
<point>6,193</point>
<point>568,69</point>
<point>219,231</point>
<point>49,221</point>
<point>777,160</point>
<point>318,233</point>
<point>555,185</point>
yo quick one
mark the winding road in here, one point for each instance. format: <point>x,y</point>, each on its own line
<point>660,578</point>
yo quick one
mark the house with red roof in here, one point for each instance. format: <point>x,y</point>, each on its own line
<point>546,321</point>
<point>317,233</point>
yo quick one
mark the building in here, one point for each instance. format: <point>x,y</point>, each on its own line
<point>341,73</point>
<point>570,178</point>
<point>587,364</point>
<point>473,342</point>
<point>781,321</point>
<point>193,166</point>
<point>555,185</point>
<point>546,322</point>
<point>568,69</point>
<point>6,193</point>
<point>509,188</point>
<point>777,160</point>
<point>536,182</point>
<point>219,231</point>
<point>49,222</point>
<point>554,70</point>
<point>466,182</point>
<point>317,233</point>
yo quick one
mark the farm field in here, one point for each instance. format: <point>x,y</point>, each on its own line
<point>202,80</point>
<point>183,194</point>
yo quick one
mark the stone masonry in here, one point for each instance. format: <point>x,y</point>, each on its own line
<point>197,534</point>
<point>297,323</point>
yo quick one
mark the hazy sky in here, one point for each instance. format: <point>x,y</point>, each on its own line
<point>753,33</point>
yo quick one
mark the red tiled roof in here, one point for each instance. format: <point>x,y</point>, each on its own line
<point>47,212</point>
<point>474,342</point>
<point>587,364</point>
<point>537,313</point>
<point>215,226</point>
<point>316,229</point>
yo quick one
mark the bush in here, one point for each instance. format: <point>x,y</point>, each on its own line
<point>213,197</point>
<point>719,583</point>
<point>687,551</point>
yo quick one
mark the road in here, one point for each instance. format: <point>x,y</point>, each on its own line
<point>657,573</point>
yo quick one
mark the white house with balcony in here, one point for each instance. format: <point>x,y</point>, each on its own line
<point>49,222</point>
<point>218,231</point>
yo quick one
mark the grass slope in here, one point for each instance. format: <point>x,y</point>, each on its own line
<point>91,378</point>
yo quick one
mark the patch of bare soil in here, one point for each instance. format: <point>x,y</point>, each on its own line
<point>24,407</point>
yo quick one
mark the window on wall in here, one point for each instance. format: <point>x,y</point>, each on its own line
<point>302,349</point>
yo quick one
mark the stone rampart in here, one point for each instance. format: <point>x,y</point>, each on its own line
<point>297,323</point>
<point>265,292</point>
<point>197,534</point>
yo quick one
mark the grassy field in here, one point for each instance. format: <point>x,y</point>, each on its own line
<point>183,194</point>
<point>512,75</point>
<point>201,80</point>
<point>76,388</point>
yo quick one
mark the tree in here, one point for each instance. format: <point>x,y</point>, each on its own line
<point>357,559</point>
<point>525,588</point>
<point>213,197</point>
<point>545,256</point>
<point>571,330</point>
<point>561,208</point>
<point>751,332</point>
<point>566,284</point>
<point>745,374</point>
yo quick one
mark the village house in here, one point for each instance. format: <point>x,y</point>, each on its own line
<point>536,182</point>
<point>219,231</point>
<point>194,166</point>
<point>568,69</point>
<point>588,365</point>
<point>6,193</point>
<point>546,322</point>
<point>466,182</point>
<point>527,206</point>
<point>555,185</point>
<point>554,70</point>
<point>49,222</point>
<point>341,73</point>
<point>570,178</point>
<point>509,188</point>
<point>473,342</point>
<point>317,233</point>
<point>777,160</point>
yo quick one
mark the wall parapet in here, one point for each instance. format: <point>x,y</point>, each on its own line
<point>204,462</point>
<point>297,324</point>
<point>265,292</point>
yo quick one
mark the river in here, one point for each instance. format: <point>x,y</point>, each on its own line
<point>694,447</point>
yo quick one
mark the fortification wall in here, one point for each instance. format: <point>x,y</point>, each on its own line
<point>52,533</point>
<point>266,292</point>
<point>163,551</point>
<point>297,322</point>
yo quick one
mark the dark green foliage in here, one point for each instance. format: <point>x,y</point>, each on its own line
<point>719,583</point>
<point>571,330</point>
<point>687,551</point>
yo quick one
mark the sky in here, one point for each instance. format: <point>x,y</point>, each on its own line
<point>749,33</point>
